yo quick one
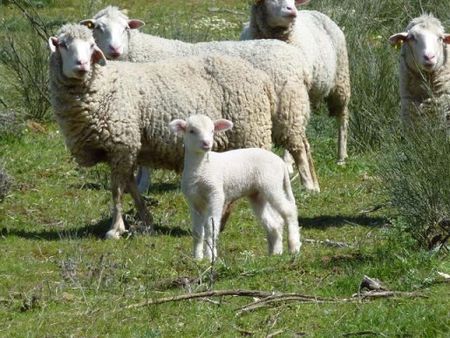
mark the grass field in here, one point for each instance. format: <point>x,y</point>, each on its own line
<point>58,277</point>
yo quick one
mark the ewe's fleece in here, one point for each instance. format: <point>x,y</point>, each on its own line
<point>280,61</point>
<point>322,54</point>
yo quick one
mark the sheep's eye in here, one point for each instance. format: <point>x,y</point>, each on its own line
<point>192,131</point>
<point>98,27</point>
<point>63,45</point>
<point>92,46</point>
<point>411,38</point>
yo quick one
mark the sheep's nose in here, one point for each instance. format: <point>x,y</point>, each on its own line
<point>82,62</point>
<point>429,57</point>
<point>206,144</point>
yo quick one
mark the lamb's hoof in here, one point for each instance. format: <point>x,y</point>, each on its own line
<point>114,234</point>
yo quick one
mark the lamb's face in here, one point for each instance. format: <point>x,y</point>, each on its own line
<point>423,47</point>
<point>77,55</point>
<point>281,13</point>
<point>111,34</point>
<point>198,131</point>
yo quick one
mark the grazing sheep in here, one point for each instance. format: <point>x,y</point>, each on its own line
<point>424,66</point>
<point>212,180</point>
<point>323,52</point>
<point>280,61</point>
<point>119,113</point>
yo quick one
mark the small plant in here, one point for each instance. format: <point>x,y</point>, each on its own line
<point>414,169</point>
<point>5,183</point>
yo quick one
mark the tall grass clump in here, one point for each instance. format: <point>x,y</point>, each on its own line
<point>414,168</point>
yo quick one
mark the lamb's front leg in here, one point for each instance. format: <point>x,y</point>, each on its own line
<point>117,186</point>
<point>197,233</point>
<point>212,228</point>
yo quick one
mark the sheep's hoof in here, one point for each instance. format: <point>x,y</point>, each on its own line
<point>113,234</point>
<point>341,162</point>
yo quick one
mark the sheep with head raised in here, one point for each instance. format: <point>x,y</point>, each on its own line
<point>280,61</point>
<point>322,50</point>
<point>119,113</point>
<point>424,66</point>
<point>212,180</point>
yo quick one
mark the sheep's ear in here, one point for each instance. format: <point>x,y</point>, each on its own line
<point>98,56</point>
<point>398,39</point>
<point>53,43</point>
<point>301,2</point>
<point>89,23</point>
<point>178,126</point>
<point>222,125</point>
<point>134,23</point>
<point>447,39</point>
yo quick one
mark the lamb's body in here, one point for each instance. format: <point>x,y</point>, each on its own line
<point>212,180</point>
<point>119,113</point>
<point>424,67</point>
<point>280,61</point>
<point>323,54</point>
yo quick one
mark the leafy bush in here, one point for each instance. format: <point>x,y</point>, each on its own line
<point>414,169</point>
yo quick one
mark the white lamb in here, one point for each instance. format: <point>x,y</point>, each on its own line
<point>323,52</point>
<point>424,66</point>
<point>212,180</point>
<point>114,32</point>
<point>119,113</point>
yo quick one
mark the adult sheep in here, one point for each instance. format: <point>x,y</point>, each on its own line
<point>323,52</point>
<point>119,113</point>
<point>424,66</point>
<point>118,37</point>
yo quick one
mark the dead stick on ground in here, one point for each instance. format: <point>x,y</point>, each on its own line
<point>270,297</point>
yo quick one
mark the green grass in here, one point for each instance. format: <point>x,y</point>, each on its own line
<point>58,277</point>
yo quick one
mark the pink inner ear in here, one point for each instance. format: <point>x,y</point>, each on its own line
<point>133,24</point>
<point>398,37</point>
<point>53,43</point>
<point>222,125</point>
<point>178,126</point>
<point>98,57</point>
<point>447,38</point>
<point>299,2</point>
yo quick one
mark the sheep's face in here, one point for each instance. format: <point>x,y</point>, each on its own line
<point>111,34</point>
<point>423,48</point>
<point>280,13</point>
<point>77,55</point>
<point>198,131</point>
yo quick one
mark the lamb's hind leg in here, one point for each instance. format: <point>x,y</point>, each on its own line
<point>144,215</point>
<point>272,224</point>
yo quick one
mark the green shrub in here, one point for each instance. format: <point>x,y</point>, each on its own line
<point>414,168</point>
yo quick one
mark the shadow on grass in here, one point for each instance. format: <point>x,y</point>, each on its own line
<point>96,230</point>
<point>326,221</point>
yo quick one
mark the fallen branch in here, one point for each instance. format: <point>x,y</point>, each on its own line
<point>271,297</point>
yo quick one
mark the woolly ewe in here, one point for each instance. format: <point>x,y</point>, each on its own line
<point>323,53</point>
<point>280,61</point>
<point>424,67</point>
<point>119,113</point>
<point>211,181</point>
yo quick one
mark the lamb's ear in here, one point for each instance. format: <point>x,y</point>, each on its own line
<point>446,39</point>
<point>98,56</point>
<point>89,23</point>
<point>135,23</point>
<point>53,43</point>
<point>398,38</point>
<point>178,126</point>
<point>301,2</point>
<point>222,125</point>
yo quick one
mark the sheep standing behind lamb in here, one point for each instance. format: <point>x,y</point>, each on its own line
<point>119,113</point>
<point>322,50</point>
<point>212,180</point>
<point>118,38</point>
<point>424,67</point>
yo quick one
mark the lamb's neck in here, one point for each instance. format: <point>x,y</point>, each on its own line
<point>195,162</point>
<point>261,30</point>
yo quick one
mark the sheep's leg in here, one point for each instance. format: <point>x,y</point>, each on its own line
<point>143,179</point>
<point>145,216</point>
<point>197,233</point>
<point>286,209</point>
<point>271,223</point>
<point>305,165</point>
<point>212,228</point>
<point>118,226</point>
<point>312,169</point>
